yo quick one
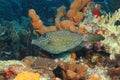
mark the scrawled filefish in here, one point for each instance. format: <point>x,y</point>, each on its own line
<point>61,41</point>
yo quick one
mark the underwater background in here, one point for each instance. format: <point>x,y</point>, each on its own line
<point>14,15</point>
<point>60,39</point>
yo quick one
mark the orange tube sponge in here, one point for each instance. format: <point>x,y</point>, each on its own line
<point>74,14</point>
<point>60,13</point>
<point>51,28</point>
<point>76,4</point>
<point>78,17</point>
<point>38,24</point>
<point>67,25</point>
<point>70,14</point>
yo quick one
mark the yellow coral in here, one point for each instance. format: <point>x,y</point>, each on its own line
<point>27,76</point>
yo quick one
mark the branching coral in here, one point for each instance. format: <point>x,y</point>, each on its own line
<point>112,39</point>
<point>110,19</point>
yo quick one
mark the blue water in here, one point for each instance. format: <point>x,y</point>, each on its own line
<point>14,9</point>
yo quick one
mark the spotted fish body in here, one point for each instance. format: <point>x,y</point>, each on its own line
<point>60,41</point>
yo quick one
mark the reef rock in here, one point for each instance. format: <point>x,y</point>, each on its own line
<point>44,63</point>
<point>61,41</point>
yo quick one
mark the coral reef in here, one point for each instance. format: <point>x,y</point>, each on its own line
<point>9,33</point>
<point>78,43</point>
<point>58,69</point>
<point>11,39</point>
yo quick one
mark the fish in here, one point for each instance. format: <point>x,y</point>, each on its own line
<point>61,41</point>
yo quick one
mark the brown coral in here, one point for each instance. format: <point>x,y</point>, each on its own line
<point>74,71</point>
